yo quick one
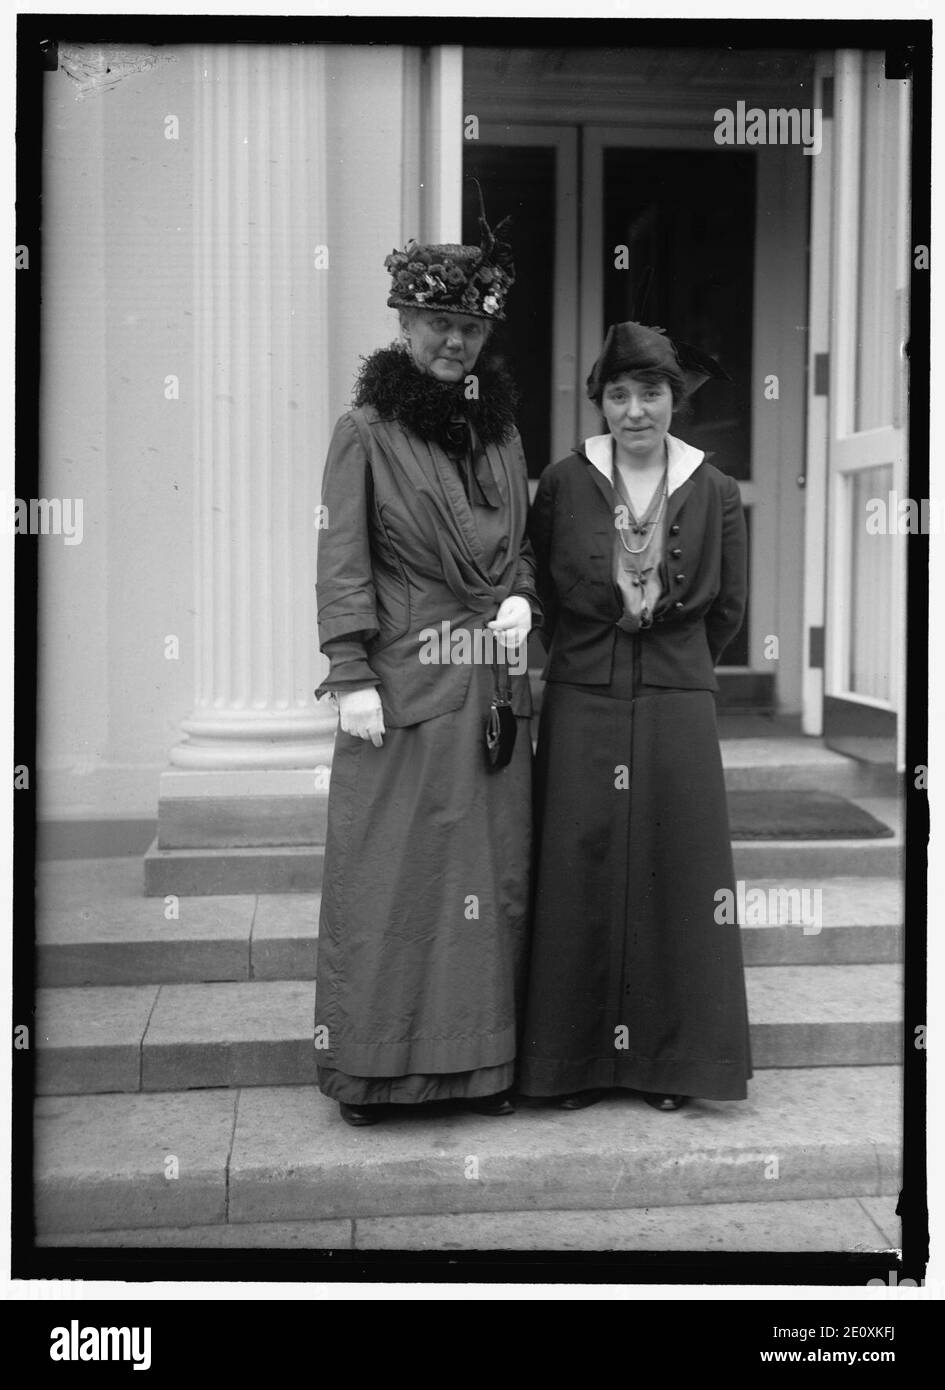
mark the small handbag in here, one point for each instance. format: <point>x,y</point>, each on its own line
<point>501,727</point>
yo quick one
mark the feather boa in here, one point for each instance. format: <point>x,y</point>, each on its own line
<point>390,382</point>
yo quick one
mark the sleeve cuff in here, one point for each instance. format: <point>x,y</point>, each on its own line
<point>349,669</point>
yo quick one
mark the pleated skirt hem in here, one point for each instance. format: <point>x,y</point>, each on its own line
<point>415,1089</point>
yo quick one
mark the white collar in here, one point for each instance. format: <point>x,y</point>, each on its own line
<point>682,458</point>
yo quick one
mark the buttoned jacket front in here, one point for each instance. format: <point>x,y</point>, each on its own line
<point>703,571</point>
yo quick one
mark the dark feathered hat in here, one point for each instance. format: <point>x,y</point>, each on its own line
<point>470,280</point>
<point>634,347</point>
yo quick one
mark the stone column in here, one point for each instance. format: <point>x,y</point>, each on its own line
<point>443,123</point>
<point>242,805</point>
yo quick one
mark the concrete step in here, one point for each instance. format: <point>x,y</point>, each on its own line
<point>850,1224</point>
<point>270,869</point>
<point>298,869</point>
<point>177,1037</point>
<point>283,1154</point>
<point>825,1015</point>
<point>128,940</point>
<point>811,860</point>
<point>284,869</point>
<point>94,927</point>
<point>829,921</point>
<point>800,764</point>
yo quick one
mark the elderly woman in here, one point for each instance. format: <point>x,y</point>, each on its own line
<point>640,545</point>
<point>425,597</point>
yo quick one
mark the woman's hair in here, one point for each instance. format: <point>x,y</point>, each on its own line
<point>650,375</point>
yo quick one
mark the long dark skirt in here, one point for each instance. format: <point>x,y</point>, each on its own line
<point>632,982</point>
<point>424,913</point>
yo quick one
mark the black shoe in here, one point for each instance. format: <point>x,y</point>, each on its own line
<point>499,1104</point>
<point>358,1115</point>
<point>580,1100</point>
<point>664,1102</point>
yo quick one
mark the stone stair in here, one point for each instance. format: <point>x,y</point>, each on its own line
<point>752,760</point>
<point>273,1154</point>
<point>180,1029</point>
<point>259,1033</point>
<point>127,940</point>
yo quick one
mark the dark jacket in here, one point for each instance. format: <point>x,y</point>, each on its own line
<point>703,573</point>
<point>400,552</point>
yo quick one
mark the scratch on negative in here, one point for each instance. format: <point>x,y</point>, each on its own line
<point>98,67</point>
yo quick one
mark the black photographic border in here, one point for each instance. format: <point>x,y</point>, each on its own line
<point>908,48</point>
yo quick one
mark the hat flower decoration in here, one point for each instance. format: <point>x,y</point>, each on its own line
<point>472,280</point>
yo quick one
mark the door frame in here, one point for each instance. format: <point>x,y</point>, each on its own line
<point>837,450</point>
<point>818,419</point>
<point>774,494</point>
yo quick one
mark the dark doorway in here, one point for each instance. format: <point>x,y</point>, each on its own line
<point>690,216</point>
<point>687,214</point>
<point>521,180</point>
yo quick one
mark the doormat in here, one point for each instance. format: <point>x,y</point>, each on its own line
<point>800,815</point>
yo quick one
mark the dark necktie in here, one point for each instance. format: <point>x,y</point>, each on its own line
<point>477,480</point>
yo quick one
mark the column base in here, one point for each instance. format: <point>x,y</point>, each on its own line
<point>212,872</point>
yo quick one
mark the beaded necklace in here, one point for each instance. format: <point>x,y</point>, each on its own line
<point>639,526</point>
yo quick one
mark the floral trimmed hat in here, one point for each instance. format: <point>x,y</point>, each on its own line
<point>470,280</point>
<point>452,277</point>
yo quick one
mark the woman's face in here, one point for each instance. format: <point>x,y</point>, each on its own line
<point>638,412</point>
<point>445,344</point>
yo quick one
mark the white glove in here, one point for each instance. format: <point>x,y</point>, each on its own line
<point>362,714</point>
<point>513,622</point>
